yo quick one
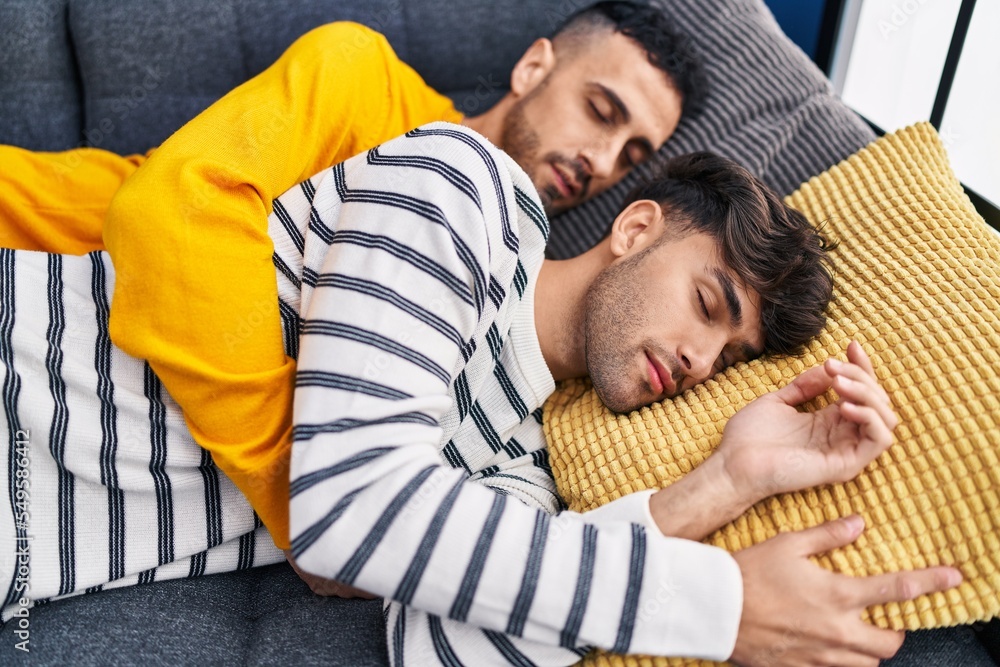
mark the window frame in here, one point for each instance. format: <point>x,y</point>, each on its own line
<point>836,40</point>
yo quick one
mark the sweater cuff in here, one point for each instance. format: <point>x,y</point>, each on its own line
<point>632,508</point>
<point>692,593</point>
<point>693,601</point>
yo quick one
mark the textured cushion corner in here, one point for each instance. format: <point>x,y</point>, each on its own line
<point>917,282</point>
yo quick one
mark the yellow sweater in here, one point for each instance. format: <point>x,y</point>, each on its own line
<point>195,293</point>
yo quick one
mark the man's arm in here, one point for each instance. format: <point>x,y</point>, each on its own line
<point>56,202</point>
<point>196,294</point>
<point>770,447</point>
<point>795,612</point>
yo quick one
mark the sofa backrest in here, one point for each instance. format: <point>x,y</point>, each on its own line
<point>123,75</point>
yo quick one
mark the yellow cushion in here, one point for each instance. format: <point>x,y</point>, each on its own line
<point>917,283</point>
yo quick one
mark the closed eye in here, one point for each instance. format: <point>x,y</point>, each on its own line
<point>704,308</point>
<point>634,154</point>
<point>604,119</point>
<point>720,364</point>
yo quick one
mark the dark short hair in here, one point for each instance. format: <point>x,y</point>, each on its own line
<point>669,50</point>
<point>769,246</point>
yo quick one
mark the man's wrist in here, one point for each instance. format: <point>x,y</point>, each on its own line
<point>700,503</point>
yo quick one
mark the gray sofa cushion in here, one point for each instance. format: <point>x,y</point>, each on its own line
<point>39,91</point>
<point>263,616</point>
<point>267,28</point>
<point>147,68</point>
<point>467,48</point>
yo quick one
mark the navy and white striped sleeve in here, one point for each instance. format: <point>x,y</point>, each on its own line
<point>392,300</point>
<point>527,477</point>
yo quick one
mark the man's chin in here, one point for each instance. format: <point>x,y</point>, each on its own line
<point>619,403</point>
<point>552,208</point>
<point>552,201</point>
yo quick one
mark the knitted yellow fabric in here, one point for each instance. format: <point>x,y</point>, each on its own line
<point>917,283</point>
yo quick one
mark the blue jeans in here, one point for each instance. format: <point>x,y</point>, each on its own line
<point>948,647</point>
<point>267,616</point>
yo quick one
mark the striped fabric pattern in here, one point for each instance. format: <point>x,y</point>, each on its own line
<point>419,470</point>
<point>117,492</point>
<point>768,107</point>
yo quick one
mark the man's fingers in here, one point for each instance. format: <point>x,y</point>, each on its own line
<point>350,592</point>
<point>864,394</point>
<point>857,374</point>
<point>876,423</point>
<point>848,658</point>
<point>805,387</point>
<point>874,437</point>
<point>818,379</point>
<point>826,536</point>
<point>857,356</point>
<point>876,642</point>
<point>326,587</point>
<point>332,588</point>
<point>902,586</point>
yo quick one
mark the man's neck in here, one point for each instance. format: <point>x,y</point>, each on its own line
<point>560,307</point>
<point>561,290</point>
<point>490,123</point>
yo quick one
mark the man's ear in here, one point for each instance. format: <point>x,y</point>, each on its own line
<point>533,67</point>
<point>636,227</point>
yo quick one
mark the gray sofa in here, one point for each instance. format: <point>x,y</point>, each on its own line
<point>122,75</point>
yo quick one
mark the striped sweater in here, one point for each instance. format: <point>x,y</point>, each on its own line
<point>419,470</point>
<point>406,276</point>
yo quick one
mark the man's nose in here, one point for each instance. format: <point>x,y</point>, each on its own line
<point>698,360</point>
<point>602,157</point>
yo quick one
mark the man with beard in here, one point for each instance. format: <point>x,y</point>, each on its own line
<point>431,333</point>
<point>583,108</point>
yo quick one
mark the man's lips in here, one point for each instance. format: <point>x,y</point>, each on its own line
<point>659,378</point>
<point>567,185</point>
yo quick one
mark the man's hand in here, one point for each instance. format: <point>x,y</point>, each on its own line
<point>327,587</point>
<point>797,613</point>
<point>771,447</point>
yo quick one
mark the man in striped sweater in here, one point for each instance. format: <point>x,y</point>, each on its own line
<point>428,332</point>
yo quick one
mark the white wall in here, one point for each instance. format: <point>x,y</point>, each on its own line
<point>888,67</point>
